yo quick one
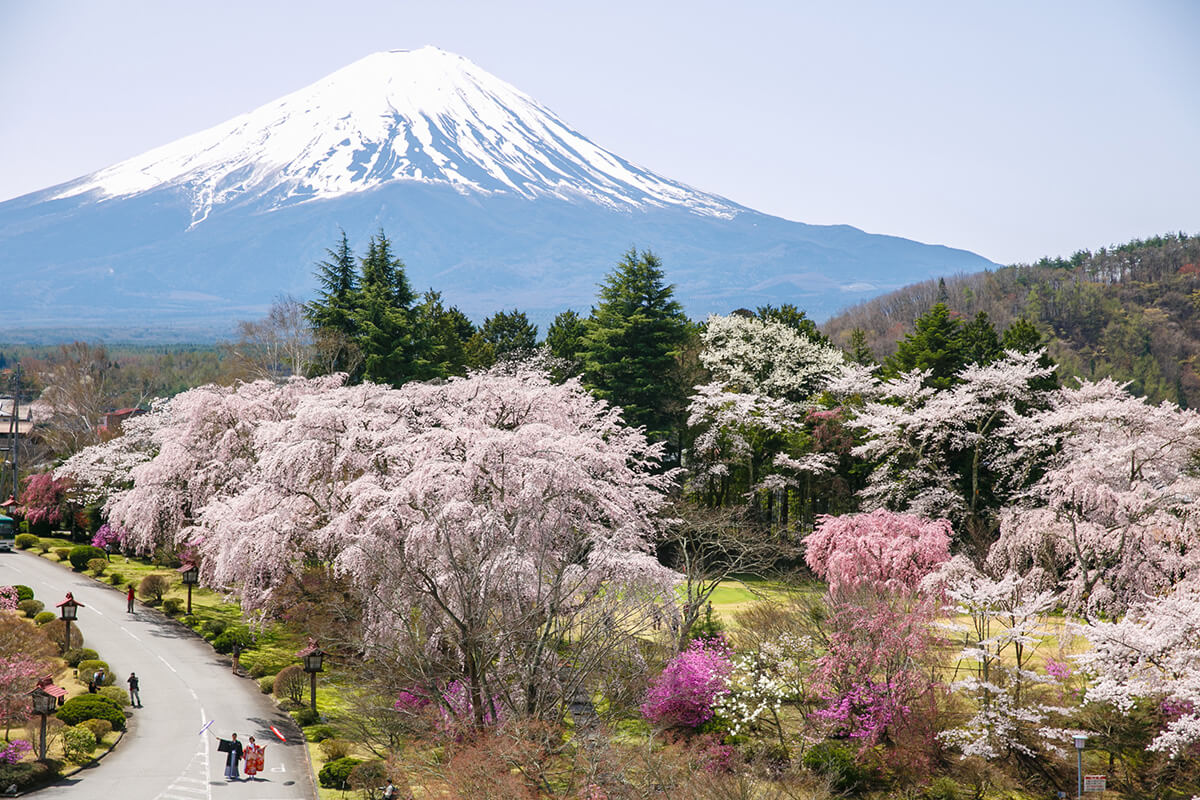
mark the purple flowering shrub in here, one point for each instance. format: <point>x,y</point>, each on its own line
<point>14,751</point>
<point>684,693</point>
<point>107,535</point>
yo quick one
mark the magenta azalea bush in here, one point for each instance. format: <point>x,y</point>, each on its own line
<point>866,710</point>
<point>14,751</point>
<point>684,693</point>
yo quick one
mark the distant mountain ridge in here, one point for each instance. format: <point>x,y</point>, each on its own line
<point>488,196</point>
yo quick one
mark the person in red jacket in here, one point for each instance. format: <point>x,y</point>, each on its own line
<point>129,600</point>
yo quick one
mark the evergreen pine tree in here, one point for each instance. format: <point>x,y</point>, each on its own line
<point>860,352</point>
<point>633,336</point>
<point>390,351</point>
<point>564,340</point>
<point>509,333</point>
<point>443,334</point>
<point>1023,336</point>
<point>980,344</point>
<point>935,344</point>
<point>795,319</point>
<point>332,313</point>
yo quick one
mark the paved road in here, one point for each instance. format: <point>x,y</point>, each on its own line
<point>184,684</point>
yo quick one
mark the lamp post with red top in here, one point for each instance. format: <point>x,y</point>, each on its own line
<point>68,609</point>
<point>43,705</point>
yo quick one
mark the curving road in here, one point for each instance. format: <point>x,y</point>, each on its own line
<point>184,684</point>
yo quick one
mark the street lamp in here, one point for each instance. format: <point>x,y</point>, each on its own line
<point>312,656</point>
<point>1080,743</point>
<point>44,704</point>
<point>191,577</point>
<point>68,608</point>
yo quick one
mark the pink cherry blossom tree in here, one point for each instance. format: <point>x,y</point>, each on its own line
<point>1110,518</point>
<point>495,529</point>
<point>881,550</point>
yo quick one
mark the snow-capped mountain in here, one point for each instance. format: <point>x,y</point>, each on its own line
<point>488,196</point>
<point>422,115</point>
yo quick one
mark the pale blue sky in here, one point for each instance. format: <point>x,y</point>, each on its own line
<point>1014,129</point>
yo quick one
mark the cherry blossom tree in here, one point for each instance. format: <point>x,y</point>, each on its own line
<point>1152,652</point>
<point>877,633</point>
<point>1110,518</point>
<point>880,550</point>
<point>1001,623</point>
<point>490,527</point>
<point>766,357</point>
<point>945,453</point>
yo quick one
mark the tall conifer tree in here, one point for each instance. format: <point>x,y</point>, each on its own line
<point>633,336</point>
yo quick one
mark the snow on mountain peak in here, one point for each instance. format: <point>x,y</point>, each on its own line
<point>402,115</point>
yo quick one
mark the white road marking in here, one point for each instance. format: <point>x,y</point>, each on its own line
<point>168,663</point>
<point>131,633</point>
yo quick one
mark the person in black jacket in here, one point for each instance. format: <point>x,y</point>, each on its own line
<point>233,750</point>
<point>135,696</point>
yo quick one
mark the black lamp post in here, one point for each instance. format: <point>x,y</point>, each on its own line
<point>69,608</point>
<point>191,577</point>
<point>44,704</point>
<point>312,657</point>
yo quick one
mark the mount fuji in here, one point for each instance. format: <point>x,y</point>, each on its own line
<point>487,196</point>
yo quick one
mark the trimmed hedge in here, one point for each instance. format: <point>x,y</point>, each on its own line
<point>116,694</point>
<point>336,774</point>
<point>23,592</point>
<point>44,617</point>
<point>30,608</point>
<point>224,643</point>
<point>25,541</point>
<point>172,606</point>
<point>78,744</point>
<point>91,706</point>
<point>74,656</point>
<point>63,553</point>
<point>80,555</point>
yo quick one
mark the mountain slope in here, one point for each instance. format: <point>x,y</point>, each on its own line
<point>489,197</point>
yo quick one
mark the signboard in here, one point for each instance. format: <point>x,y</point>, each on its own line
<point>1094,783</point>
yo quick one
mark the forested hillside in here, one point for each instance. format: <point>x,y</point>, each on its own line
<point>1131,312</point>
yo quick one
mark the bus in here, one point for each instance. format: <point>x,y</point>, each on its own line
<point>8,533</point>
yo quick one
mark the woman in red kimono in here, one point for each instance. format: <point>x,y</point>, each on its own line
<point>252,763</point>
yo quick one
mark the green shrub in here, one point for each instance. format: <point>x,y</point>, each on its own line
<point>267,684</point>
<point>836,762</point>
<point>97,566</point>
<point>92,706</point>
<point>28,774</point>
<point>368,775</point>
<point>44,545</point>
<point>153,587</point>
<point>259,669</point>
<point>172,606</point>
<point>290,683</point>
<point>116,694</point>
<point>74,656</point>
<point>63,553</point>
<point>306,716</point>
<point>89,667</point>
<point>942,788</point>
<point>333,749</point>
<point>30,608</point>
<point>27,540</point>
<point>78,744</point>
<point>81,554</point>
<point>43,617</point>
<point>336,774</point>
<point>213,628</point>
<point>319,733</point>
<point>166,557</point>
<point>230,637</point>
<point>99,727</point>
<point>116,578</point>
<point>23,592</point>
